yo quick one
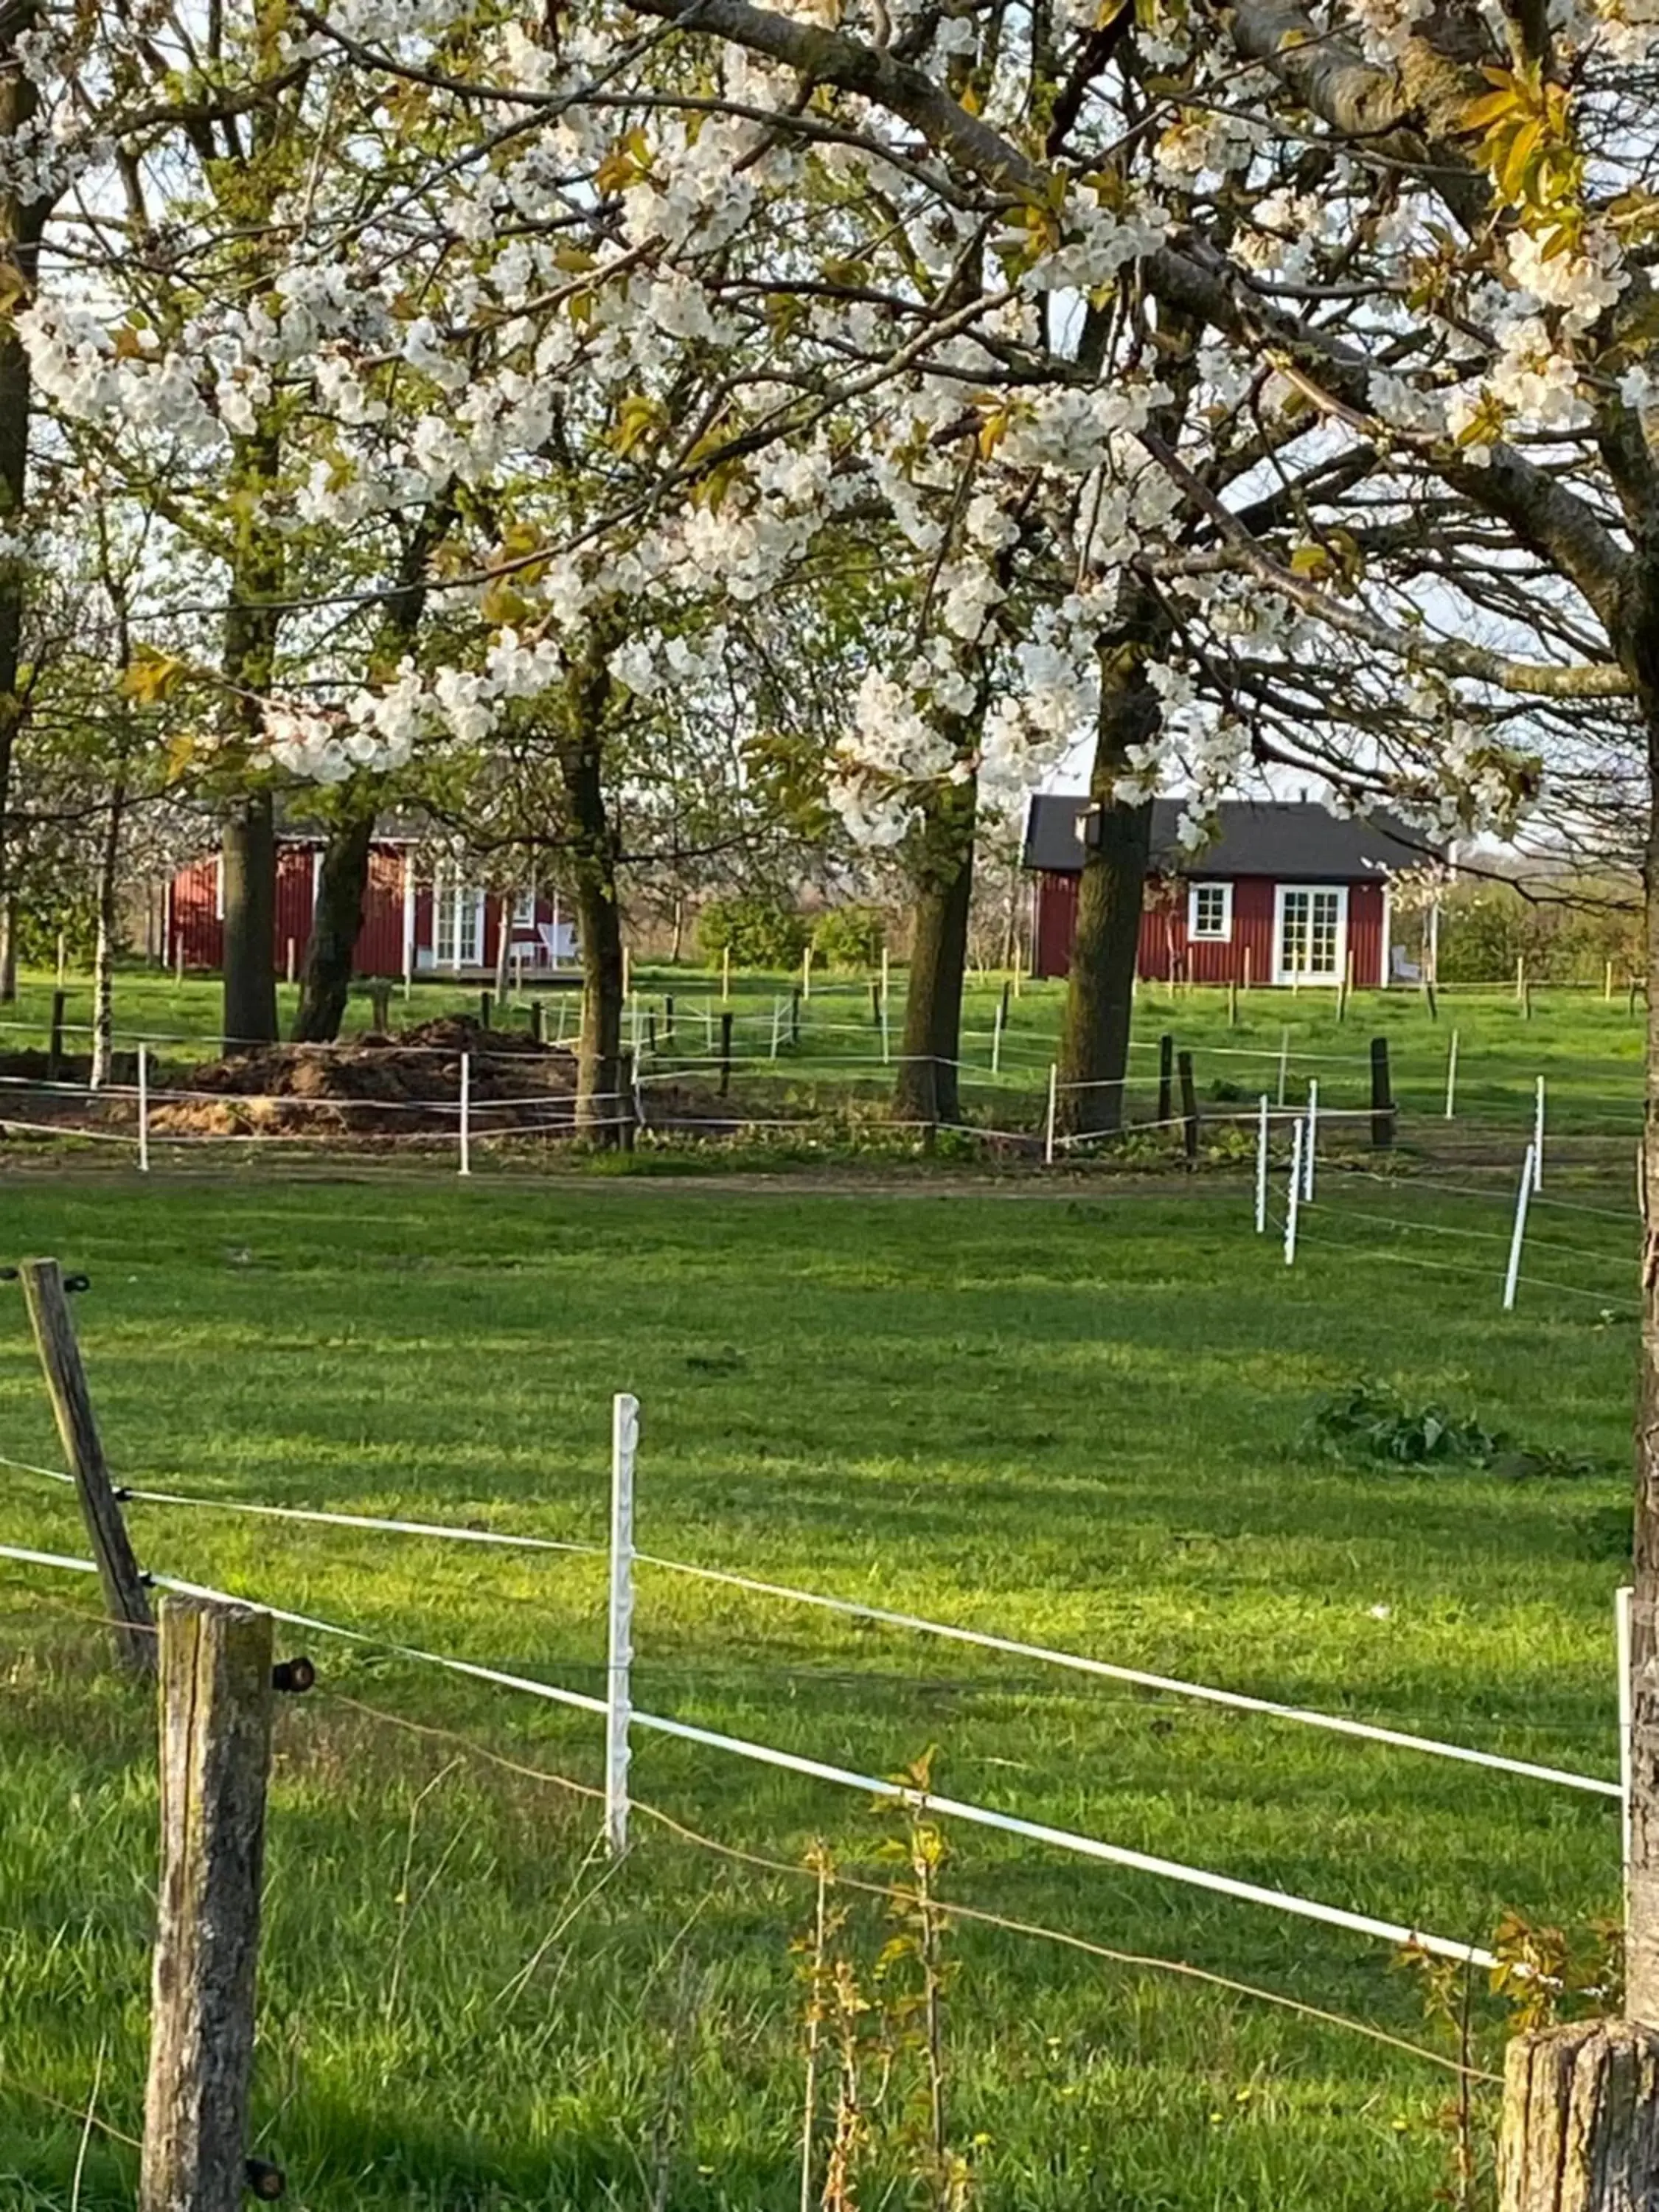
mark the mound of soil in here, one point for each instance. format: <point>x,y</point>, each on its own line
<point>375,1087</point>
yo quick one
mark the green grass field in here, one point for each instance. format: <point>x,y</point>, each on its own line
<point>1589,1049</point>
<point>1072,1419</point>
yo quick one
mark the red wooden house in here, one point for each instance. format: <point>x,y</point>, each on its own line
<point>419,917</point>
<point>1287,892</point>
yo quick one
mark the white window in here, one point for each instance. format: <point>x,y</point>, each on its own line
<point>456,921</point>
<point>1210,911</point>
<point>1311,934</point>
<point>524,910</point>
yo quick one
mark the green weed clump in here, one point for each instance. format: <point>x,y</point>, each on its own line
<point>1371,1423</point>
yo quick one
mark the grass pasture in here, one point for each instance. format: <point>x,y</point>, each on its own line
<point>826,1095</point>
<point>1072,1418</point>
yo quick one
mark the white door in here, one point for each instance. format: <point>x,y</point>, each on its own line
<point>1310,933</point>
<point>457,923</point>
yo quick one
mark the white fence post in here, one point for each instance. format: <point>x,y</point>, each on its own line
<point>1262,1170</point>
<point>886,1050</point>
<point>1293,1196</point>
<point>1512,1274</point>
<point>1311,1147</point>
<point>624,1446</point>
<point>1538,1139</point>
<point>1053,1108</point>
<point>144,1109</point>
<point>1621,1625</point>
<point>1284,1061</point>
<point>465,1167</point>
<point>1451,1078</point>
<point>777,1023</point>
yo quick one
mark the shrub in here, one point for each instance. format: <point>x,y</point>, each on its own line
<point>850,937</point>
<point>759,931</point>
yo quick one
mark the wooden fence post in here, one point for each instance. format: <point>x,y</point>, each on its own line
<point>1189,1109</point>
<point>124,1602</point>
<point>795,1013</point>
<point>668,1021</point>
<point>1581,2120</point>
<point>539,1020</point>
<point>486,1009</point>
<point>725,1053</point>
<point>55,1037</point>
<point>1382,1096</point>
<point>214,1757</point>
<point>380,1001</point>
<point>1165,1077</point>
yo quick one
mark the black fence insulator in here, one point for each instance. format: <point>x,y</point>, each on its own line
<point>265,2181</point>
<point>295,1675</point>
<point>70,1282</point>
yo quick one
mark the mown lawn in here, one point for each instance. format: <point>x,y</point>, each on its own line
<point>1072,1419</point>
<point>1588,1049</point>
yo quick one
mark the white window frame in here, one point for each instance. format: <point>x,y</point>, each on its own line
<point>1282,893</point>
<point>523,907</point>
<point>1225,934</point>
<point>451,895</point>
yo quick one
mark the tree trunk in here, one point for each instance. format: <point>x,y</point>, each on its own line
<point>600,1107</point>
<point>1093,1057</point>
<point>1581,2120</point>
<point>338,917</point>
<point>942,863</point>
<point>504,902</point>
<point>250,866</point>
<point>1640,655</point>
<point>7,948</point>
<point>21,224</point>
<point>103,958</point>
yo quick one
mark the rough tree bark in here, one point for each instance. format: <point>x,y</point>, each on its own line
<point>593,872</point>
<point>1094,1036</point>
<point>942,872</point>
<point>249,849</point>
<point>337,916</point>
<point>1581,2120</point>
<point>22,225</point>
<point>337,921</point>
<point>1640,655</point>
<point>103,958</point>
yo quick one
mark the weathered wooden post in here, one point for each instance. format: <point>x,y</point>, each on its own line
<point>1189,1109</point>
<point>1382,1096</point>
<point>124,1603</point>
<point>486,1009</point>
<point>1581,2120</point>
<point>668,1021</point>
<point>795,1013</point>
<point>215,1700</point>
<point>55,1037</point>
<point>725,1053</point>
<point>539,1021</point>
<point>1165,1078</point>
<point>380,1002</point>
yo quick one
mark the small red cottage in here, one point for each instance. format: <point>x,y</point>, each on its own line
<point>416,919</point>
<point>1288,892</point>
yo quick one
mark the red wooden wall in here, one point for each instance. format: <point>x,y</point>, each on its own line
<point>1165,947</point>
<point>197,930</point>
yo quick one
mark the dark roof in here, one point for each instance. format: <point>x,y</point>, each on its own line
<point>1286,839</point>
